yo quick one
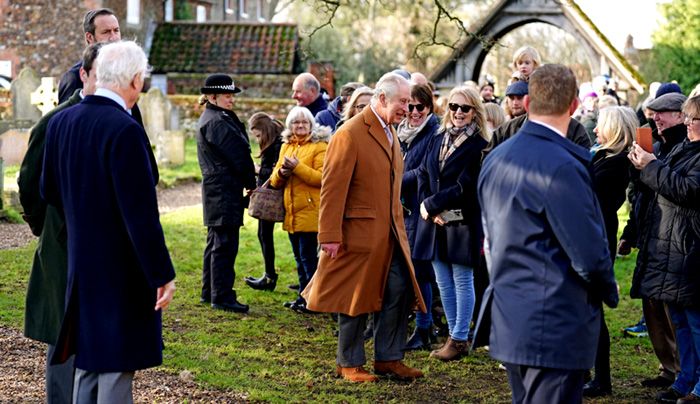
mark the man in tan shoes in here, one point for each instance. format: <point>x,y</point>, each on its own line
<point>365,266</point>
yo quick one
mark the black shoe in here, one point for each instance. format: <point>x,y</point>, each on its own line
<point>203,300</point>
<point>265,282</point>
<point>419,340</point>
<point>595,389</point>
<point>233,306</point>
<point>658,382</point>
<point>290,304</point>
<point>300,307</point>
<point>668,396</point>
<point>294,287</point>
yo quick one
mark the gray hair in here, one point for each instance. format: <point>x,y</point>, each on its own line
<point>302,112</point>
<point>388,85</point>
<point>119,62</point>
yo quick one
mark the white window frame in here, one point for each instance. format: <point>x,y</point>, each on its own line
<point>133,12</point>
<point>201,15</point>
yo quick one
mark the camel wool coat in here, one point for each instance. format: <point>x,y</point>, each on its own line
<point>360,209</point>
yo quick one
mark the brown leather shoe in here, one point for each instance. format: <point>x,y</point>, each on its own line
<point>452,350</point>
<point>396,369</point>
<point>357,374</point>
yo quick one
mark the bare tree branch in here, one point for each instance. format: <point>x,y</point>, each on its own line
<point>332,7</point>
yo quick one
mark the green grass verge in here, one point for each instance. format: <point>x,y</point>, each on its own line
<point>275,355</point>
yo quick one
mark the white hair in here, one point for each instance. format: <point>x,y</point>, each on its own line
<point>119,62</point>
<point>388,85</point>
<point>300,112</point>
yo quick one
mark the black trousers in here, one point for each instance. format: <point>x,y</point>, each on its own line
<point>218,271</point>
<point>602,355</point>
<point>533,385</point>
<point>390,324</point>
<point>267,245</point>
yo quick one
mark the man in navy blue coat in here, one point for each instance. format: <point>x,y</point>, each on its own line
<point>97,170</point>
<point>549,261</point>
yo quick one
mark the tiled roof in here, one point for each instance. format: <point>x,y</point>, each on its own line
<point>234,48</point>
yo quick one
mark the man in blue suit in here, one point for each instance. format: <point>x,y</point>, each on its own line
<point>549,262</point>
<point>97,170</point>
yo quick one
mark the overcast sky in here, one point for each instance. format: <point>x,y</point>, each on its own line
<point>618,18</point>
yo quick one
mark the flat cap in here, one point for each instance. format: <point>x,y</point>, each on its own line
<point>517,88</point>
<point>667,102</point>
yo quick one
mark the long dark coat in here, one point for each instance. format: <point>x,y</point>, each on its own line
<point>611,175</point>
<point>223,150</point>
<point>550,265</point>
<point>453,187</point>
<point>669,254</point>
<point>97,169</point>
<point>46,291</point>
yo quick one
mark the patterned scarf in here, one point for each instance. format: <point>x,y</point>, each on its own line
<point>453,138</point>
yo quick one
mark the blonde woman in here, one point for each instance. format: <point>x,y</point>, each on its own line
<point>495,116</point>
<point>450,233</point>
<point>359,99</point>
<point>611,174</point>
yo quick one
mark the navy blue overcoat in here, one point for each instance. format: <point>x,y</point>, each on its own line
<point>453,187</point>
<point>550,266</point>
<point>98,171</point>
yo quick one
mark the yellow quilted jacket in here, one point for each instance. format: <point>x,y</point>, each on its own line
<point>302,190</point>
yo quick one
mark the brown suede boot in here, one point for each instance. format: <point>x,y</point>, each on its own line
<point>357,374</point>
<point>452,350</point>
<point>397,369</point>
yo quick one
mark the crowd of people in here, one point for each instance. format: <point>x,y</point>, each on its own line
<point>397,202</point>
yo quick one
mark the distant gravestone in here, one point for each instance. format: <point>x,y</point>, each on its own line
<point>22,87</point>
<point>46,96</point>
<point>161,122</point>
<point>13,146</point>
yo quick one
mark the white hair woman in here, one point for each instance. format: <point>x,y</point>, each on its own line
<point>298,171</point>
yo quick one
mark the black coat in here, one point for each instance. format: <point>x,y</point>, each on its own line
<point>575,132</point>
<point>413,156</point>
<point>223,150</point>
<point>454,187</point>
<point>98,171</point>
<point>268,160</point>
<point>669,256</point>
<point>611,175</point>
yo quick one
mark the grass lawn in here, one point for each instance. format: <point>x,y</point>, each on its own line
<point>275,355</point>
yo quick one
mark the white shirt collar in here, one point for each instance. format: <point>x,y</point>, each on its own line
<point>384,125</point>
<point>552,128</point>
<point>107,93</point>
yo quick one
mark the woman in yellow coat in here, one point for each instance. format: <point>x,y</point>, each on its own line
<point>298,171</point>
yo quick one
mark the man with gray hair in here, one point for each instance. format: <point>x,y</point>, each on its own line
<point>306,91</point>
<point>365,265</point>
<point>98,171</point>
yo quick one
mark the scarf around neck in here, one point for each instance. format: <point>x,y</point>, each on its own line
<point>407,134</point>
<point>453,138</point>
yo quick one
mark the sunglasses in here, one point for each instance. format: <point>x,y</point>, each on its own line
<point>464,107</point>
<point>418,107</point>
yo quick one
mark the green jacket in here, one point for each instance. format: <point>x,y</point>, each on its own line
<point>47,281</point>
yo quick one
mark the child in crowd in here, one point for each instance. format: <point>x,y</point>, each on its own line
<point>525,60</point>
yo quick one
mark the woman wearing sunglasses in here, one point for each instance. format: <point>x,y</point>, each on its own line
<point>414,133</point>
<point>450,234</point>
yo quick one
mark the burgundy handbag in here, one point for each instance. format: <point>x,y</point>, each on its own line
<point>267,203</point>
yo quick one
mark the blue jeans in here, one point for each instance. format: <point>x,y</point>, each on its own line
<point>456,284</point>
<point>687,324</point>
<point>305,248</point>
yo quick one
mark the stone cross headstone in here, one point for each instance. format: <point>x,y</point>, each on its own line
<point>161,122</point>
<point>22,87</point>
<point>45,97</point>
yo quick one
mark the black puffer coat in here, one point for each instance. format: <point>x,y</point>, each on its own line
<point>227,167</point>
<point>668,264</point>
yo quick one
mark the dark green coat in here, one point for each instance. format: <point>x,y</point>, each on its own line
<point>47,282</point>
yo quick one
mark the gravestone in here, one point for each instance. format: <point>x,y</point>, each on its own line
<point>22,87</point>
<point>13,146</point>
<point>162,126</point>
<point>45,97</point>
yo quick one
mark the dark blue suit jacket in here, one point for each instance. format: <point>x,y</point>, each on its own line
<point>97,169</point>
<point>550,265</point>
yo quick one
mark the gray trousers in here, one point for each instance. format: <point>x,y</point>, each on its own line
<point>59,379</point>
<point>534,385</point>
<point>390,324</point>
<point>102,388</point>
